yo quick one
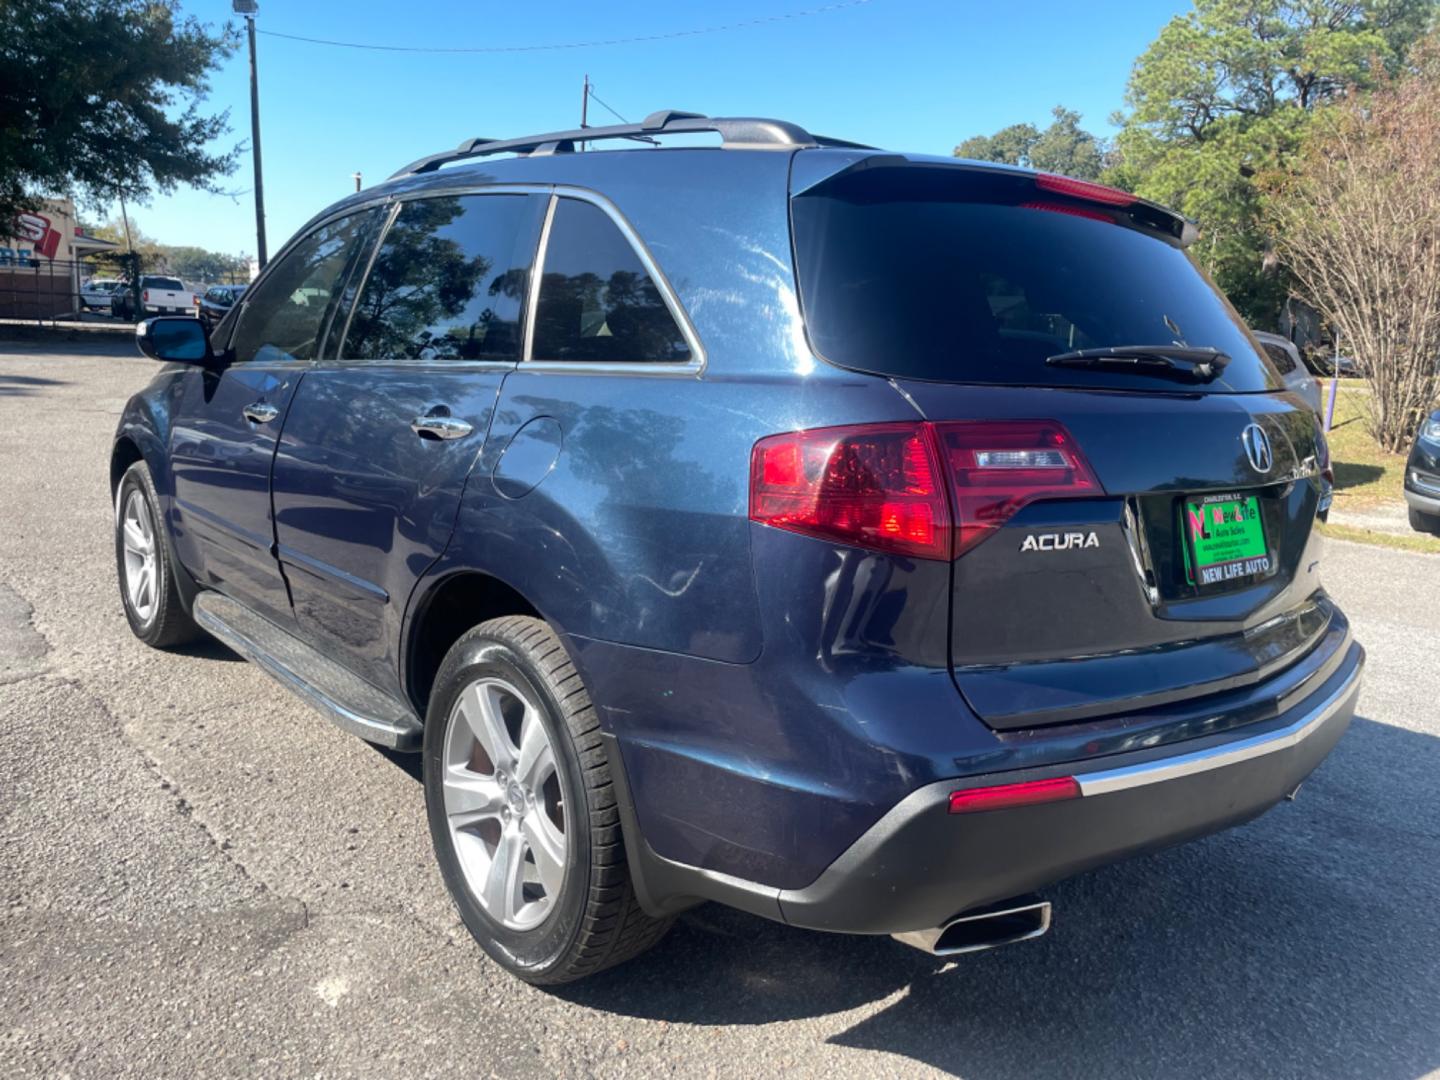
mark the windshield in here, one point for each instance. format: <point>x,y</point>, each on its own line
<point>961,275</point>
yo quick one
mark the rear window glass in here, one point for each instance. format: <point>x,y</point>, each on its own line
<point>597,301</point>
<point>164,283</point>
<point>1279,356</point>
<point>962,276</point>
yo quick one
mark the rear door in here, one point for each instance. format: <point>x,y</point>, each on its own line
<point>1132,530</point>
<point>227,422</point>
<point>381,437</point>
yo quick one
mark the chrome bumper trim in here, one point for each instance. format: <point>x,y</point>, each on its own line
<point>1218,757</point>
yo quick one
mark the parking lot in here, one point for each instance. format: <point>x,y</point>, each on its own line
<point>202,876</point>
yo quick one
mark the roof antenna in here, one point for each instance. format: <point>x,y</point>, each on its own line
<point>585,106</point>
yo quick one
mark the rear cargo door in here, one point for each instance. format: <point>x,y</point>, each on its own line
<point>1133,526</point>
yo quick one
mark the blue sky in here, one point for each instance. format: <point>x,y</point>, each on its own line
<point>917,75</point>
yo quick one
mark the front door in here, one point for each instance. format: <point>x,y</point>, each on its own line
<point>228,421</point>
<point>379,442</point>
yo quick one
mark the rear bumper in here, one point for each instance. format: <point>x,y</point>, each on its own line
<point>919,865</point>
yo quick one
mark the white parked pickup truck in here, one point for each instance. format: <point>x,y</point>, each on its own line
<point>165,296</point>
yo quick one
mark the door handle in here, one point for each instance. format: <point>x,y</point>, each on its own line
<point>261,412</point>
<point>438,425</point>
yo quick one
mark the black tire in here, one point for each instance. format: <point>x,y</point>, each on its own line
<point>595,921</point>
<point>167,622</point>
<point>1423,522</point>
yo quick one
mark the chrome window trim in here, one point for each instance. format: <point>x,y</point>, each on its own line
<point>406,362</point>
<point>375,247</point>
<point>440,191</point>
<point>242,306</point>
<point>691,368</point>
<point>532,297</point>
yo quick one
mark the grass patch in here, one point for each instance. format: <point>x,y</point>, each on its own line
<point>1367,479</point>
<point>1400,541</point>
<point>1365,475</point>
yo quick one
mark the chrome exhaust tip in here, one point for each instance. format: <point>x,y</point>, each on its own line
<point>975,931</point>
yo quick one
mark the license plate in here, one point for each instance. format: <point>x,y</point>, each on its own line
<point>1225,539</point>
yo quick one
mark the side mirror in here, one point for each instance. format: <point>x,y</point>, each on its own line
<point>175,339</point>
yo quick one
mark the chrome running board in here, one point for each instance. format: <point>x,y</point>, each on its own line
<point>346,700</point>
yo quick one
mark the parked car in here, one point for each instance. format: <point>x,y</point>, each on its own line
<point>216,302</point>
<point>1422,477</point>
<point>866,563</point>
<point>95,293</point>
<point>1285,356</point>
<point>1346,366</point>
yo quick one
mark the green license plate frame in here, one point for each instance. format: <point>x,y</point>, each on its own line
<point>1225,539</point>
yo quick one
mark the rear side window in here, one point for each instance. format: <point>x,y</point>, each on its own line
<point>597,301</point>
<point>286,311</point>
<point>448,282</point>
<point>959,275</point>
<point>1279,356</point>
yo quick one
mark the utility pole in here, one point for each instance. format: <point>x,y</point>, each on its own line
<point>356,176</point>
<point>125,220</point>
<point>249,8</point>
<point>585,104</point>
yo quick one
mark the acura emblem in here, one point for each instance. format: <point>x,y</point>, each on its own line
<point>1257,447</point>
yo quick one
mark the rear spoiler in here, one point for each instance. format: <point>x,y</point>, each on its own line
<point>811,173</point>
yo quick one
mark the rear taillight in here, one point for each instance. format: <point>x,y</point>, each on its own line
<point>145,296</point>
<point>928,490</point>
<point>876,486</point>
<point>1083,189</point>
<point>997,466</point>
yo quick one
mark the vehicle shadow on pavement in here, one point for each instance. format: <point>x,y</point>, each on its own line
<point>24,385</point>
<point>1305,943</point>
<point>207,648</point>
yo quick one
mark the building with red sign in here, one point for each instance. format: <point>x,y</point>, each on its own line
<point>42,262</point>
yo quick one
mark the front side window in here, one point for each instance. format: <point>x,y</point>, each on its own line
<point>286,311</point>
<point>597,302</point>
<point>447,284</point>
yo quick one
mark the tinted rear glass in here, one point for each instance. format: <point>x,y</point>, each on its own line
<point>964,276</point>
<point>597,301</point>
<point>164,283</point>
<point>1279,356</point>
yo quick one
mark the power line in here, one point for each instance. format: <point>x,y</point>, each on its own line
<point>670,35</point>
<point>596,98</point>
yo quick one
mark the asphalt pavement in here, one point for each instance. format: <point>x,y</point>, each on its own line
<point>200,876</point>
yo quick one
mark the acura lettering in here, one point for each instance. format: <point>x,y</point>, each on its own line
<point>1059,541</point>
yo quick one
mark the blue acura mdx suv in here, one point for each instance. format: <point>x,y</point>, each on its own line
<point>860,539</point>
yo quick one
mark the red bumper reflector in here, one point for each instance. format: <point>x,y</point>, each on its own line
<point>973,800</point>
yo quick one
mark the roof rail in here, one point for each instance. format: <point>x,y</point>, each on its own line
<point>746,133</point>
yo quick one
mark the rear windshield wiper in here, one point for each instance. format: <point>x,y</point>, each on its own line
<point>1203,364</point>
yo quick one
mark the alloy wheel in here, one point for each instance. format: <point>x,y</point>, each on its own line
<point>504,804</point>
<point>138,538</point>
